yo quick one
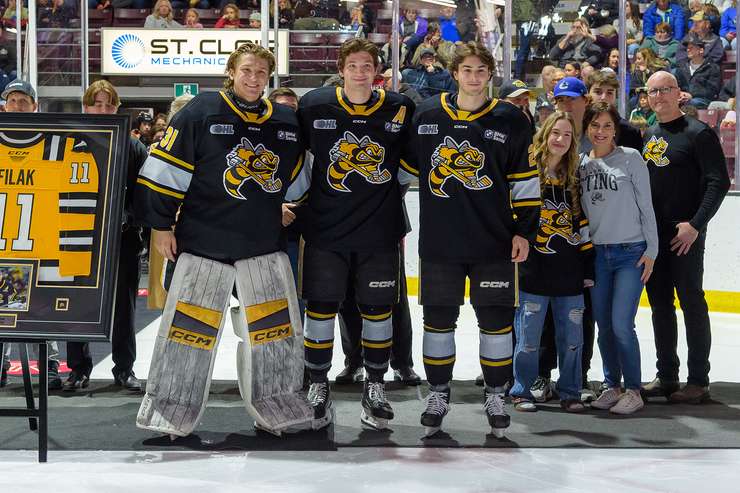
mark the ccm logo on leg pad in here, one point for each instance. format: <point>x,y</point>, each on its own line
<point>192,339</point>
<point>494,284</point>
<point>269,335</point>
<point>382,284</point>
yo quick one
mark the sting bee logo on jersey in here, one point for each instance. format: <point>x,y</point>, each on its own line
<point>350,155</point>
<point>248,162</point>
<point>459,161</point>
<point>555,220</point>
<point>655,150</point>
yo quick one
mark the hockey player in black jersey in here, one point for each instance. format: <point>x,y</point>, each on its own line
<point>353,220</point>
<point>479,208</point>
<point>225,162</point>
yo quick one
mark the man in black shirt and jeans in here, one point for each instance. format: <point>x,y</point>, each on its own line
<point>689,179</point>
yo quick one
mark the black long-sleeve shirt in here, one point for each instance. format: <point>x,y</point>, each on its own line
<point>688,174</point>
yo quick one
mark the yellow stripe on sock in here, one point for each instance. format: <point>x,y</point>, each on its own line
<point>439,362</point>
<point>320,316</point>
<point>496,363</point>
<point>377,345</point>
<point>318,345</point>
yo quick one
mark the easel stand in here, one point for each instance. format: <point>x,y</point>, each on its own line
<point>33,414</point>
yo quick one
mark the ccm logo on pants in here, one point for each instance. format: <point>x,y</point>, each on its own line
<point>382,284</point>
<point>192,339</point>
<point>494,284</point>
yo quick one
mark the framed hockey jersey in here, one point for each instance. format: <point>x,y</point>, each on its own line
<point>62,185</point>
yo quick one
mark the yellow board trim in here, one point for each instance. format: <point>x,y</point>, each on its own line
<point>318,345</point>
<point>718,301</point>
<point>382,316</point>
<point>439,362</point>
<point>192,339</point>
<point>205,315</point>
<point>257,312</point>
<point>249,117</point>
<point>377,345</point>
<point>271,334</point>
<point>161,153</point>
<point>320,316</point>
<point>496,363</point>
<point>161,190</point>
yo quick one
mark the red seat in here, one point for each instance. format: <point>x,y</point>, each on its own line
<point>130,17</point>
<point>100,18</point>
<point>727,138</point>
<point>710,117</point>
<point>339,38</point>
<point>378,38</point>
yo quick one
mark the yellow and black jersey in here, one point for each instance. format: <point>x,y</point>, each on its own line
<point>48,197</point>
<point>229,165</point>
<point>354,199</point>
<point>476,186</point>
<point>562,255</point>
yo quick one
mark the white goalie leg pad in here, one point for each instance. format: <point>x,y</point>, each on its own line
<point>270,354</point>
<point>185,349</point>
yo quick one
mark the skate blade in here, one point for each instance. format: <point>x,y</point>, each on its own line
<point>373,422</point>
<point>328,419</point>
<point>431,430</point>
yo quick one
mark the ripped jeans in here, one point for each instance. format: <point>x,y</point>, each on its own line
<point>567,313</point>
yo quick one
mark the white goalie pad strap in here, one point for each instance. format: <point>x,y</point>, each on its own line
<point>185,349</point>
<point>270,358</point>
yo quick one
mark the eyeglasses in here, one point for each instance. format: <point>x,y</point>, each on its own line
<point>660,90</point>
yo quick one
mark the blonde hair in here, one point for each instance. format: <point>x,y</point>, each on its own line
<point>177,104</point>
<point>88,99</point>
<point>566,170</point>
<point>248,48</point>
<point>155,10</point>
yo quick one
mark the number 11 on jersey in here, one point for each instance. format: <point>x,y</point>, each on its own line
<point>21,242</point>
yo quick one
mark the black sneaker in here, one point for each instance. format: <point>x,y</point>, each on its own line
<point>55,381</point>
<point>127,380</point>
<point>350,375</point>
<point>407,376</point>
<point>541,389</point>
<point>76,381</point>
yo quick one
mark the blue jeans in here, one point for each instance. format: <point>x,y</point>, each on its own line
<point>567,313</point>
<point>615,297</point>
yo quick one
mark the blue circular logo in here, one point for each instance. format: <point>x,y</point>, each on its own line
<point>128,51</point>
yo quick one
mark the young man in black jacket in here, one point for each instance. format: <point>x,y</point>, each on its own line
<point>699,79</point>
<point>688,177</point>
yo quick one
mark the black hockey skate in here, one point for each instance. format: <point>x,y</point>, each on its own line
<point>497,417</point>
<point>320,398</point>
<point>438,405</point>
<point>376,412</point>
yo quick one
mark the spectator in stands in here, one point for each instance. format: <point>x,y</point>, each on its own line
<point>576,46</point>
<point>664,11</point>
<point>403,87</point>
<point>9,16</point>
<point>715,18</point>
<point>285,96</point>
<point>192,19</point>
<point>607,40</point>
<point>286,16</point>
<point>699,79</point>
<point>572,69</point>
<point>229,17</point>
<point>356,21</point>
<point>643,109</point>
<point>713,50</point>
<point>604,86</point>
<point>429,77</point>
<point>551,75</point>
<point>412,25</point>
<point>443,49</point>
<point>183,4</point>
<point>633,25</point>
<point>600,12</point>
<point>161,16</point>
<point>255,20</point>
<point>448,24</point>
<point>728,29</point>
<point>646,64</point>
<point>57,15</point>
<point>725,94</point>
<point>8,62</point>
<point>586,70</point>
<point>518,93</point>
<point>663,44</point>
<point>141,128</point>
<point>368,16</point>
<point>612,60</point>
<point>160,122</point>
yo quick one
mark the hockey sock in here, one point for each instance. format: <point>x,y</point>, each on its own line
<point>439,343</point>
<point>318,337</point>
<point>496,344</point>
<point>377,338</point>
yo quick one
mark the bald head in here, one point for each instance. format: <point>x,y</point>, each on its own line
<point>663,96</point>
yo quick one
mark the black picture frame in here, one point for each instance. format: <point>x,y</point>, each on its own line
<point>56,305</point>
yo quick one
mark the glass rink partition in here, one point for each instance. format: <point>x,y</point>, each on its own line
<point>61,50</point>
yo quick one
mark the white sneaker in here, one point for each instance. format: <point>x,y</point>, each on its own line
<point>628,403</point>
<point>608,398</point>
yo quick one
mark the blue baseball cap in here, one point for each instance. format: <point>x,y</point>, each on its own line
<point>570,86</point>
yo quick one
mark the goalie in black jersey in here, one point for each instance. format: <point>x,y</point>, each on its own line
<point>479,207</point>
<point>353,221</point>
